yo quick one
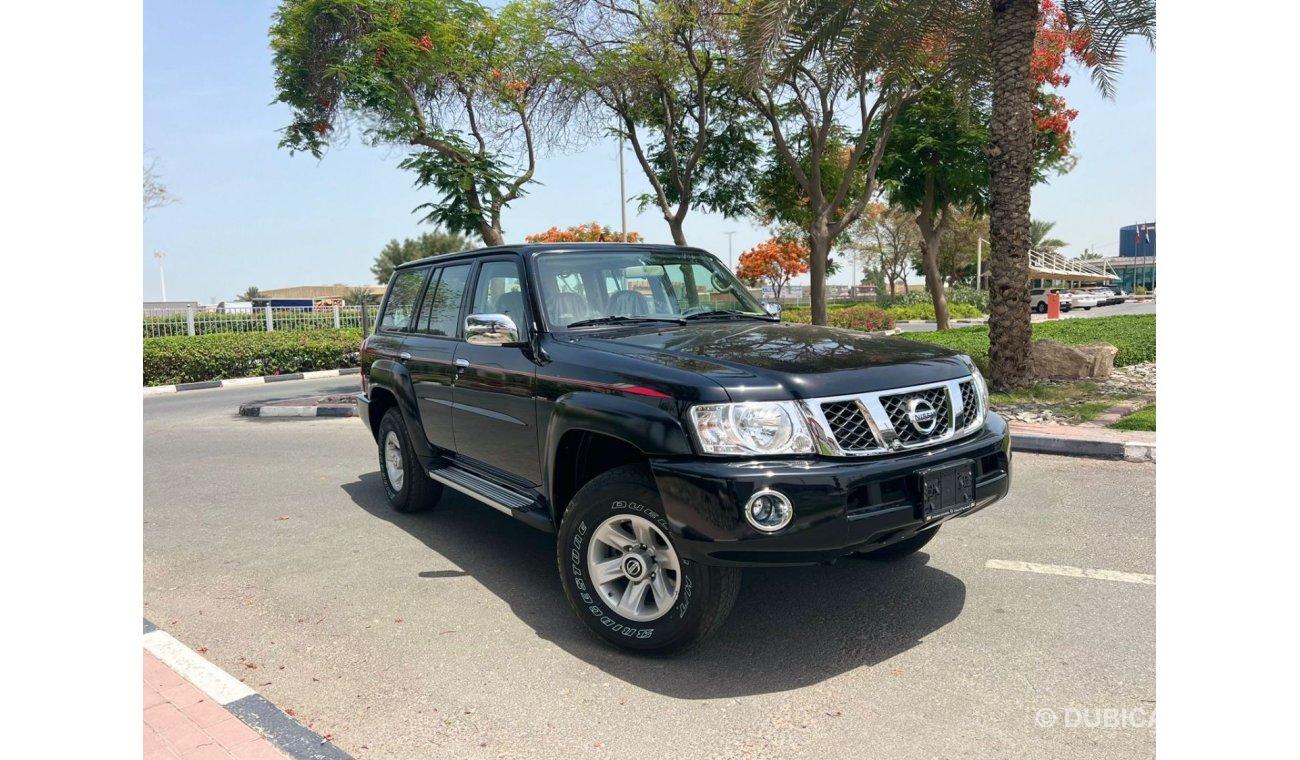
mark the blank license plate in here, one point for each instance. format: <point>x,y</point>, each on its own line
<point>947,489</point>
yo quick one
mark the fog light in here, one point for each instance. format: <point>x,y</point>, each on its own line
<point>769,511</point>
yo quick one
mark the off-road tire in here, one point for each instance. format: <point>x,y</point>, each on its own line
<point>418,491</point>
<point>705,593</point>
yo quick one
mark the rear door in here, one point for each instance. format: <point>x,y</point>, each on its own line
<point>495,415</point>
<point>397,314</point>
<point>431,346</point>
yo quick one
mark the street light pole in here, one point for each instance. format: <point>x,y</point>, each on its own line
<point>622,185</point>
<point>162,279</point>
<point>979,262</point>
<point>729,264</point>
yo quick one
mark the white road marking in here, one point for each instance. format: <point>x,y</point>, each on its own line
<point>211,680</point>
<point>1074,572</point>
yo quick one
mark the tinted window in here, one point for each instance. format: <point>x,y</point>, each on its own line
<point>441,308</point>
<point>499,290</point>
<point>403,294</point>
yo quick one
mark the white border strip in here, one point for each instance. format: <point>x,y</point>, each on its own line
<point>159,390</point>
<point>211,680</point>
<point>243,381</point>
<point>1073,572</point>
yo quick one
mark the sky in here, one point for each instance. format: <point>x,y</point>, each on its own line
<point>250,214</point>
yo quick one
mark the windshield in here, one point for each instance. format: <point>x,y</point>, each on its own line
<point>580,288</point>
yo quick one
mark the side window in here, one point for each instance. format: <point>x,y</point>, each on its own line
<point>500,290</point>
<point>403,293</point>
<point>441,307</point>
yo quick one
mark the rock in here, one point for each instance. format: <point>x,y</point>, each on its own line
<point>1057,360</point>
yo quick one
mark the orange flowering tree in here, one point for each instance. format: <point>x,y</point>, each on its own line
<point>583,233</point>
<point>776,262</point>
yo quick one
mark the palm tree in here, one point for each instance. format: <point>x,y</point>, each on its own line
<point>358,296</point>
<point>1038,237</point>
<point>250,294</point>
<point>989,47</point>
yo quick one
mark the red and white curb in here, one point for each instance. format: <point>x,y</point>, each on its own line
<point>287,734</point>
<point>160,390</point>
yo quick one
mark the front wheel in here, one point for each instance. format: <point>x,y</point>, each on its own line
<point>1041,308</point>
<point>623,576</point>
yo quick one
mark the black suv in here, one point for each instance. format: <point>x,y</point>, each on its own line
<point>637,401</point>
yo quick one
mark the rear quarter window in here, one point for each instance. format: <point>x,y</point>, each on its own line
<point>403,295</point>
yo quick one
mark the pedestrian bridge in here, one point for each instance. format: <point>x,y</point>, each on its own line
<point>1054,266</point>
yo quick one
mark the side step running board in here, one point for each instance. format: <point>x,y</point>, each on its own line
<point>475,487</point>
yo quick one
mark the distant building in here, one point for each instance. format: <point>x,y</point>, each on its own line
<point>317,293</point>
<point>168,308</point>
<point>1136,262</point>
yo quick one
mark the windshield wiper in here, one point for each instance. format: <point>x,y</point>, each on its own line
<point>730,314</point>
<point>620,320</point>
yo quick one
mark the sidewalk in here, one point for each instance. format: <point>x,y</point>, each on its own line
<point>182,723</point>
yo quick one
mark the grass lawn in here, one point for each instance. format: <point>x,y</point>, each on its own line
<point>1133,335</point>
<point>1142,419</point>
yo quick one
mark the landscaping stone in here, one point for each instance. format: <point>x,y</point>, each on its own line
<point>1054,360</point>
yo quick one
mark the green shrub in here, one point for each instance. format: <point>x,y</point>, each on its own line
<point>228,355</point>
<point>1134,336</point>
<point>910,298</point>
<point>970,297</point>
<point>860,317</point>
<point>926,311</point>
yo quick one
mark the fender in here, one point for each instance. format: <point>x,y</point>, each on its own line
<point>393,376</point>
<point>652,428</point>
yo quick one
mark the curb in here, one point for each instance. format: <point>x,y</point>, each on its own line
<point>1132,451</point>
<point>288,735</point>
<point>159,390</point>
<point>268,410</point>
<point>935,321</point>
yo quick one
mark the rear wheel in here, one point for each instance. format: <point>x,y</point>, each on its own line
<point>904,548</point>
<point>623,575</point>
<point>408,487</point>
<point>1042,307</point>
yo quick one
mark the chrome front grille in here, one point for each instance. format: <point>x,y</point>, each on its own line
<point>850,426</point>
<point>904,411</point>
<point>896,419</point>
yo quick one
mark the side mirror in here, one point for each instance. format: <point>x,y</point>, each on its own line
<point>772,308</point>
<point>490,330</point>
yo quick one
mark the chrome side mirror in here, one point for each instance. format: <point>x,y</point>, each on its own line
<point>772,308</point>
<point>490,330</point>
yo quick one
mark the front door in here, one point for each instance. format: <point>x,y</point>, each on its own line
<point>495,415</point>
<point>432,349</point>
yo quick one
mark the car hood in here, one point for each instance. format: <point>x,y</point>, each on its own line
<point>756,361</point>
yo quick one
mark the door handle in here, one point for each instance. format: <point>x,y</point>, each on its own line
<point>403,357</point>
<point>461,364</point>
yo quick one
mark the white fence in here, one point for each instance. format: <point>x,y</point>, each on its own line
<point>191,321</point>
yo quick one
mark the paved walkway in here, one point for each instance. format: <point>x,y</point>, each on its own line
<point>182,723</point>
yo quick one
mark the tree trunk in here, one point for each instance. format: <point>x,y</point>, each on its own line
<point>933,280</point>
<point>679,235</point>
<point>491,235</point>
<point>1011,161</point>
<point>819,247</point>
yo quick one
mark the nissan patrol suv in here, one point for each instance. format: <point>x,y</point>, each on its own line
<point>638,402</point>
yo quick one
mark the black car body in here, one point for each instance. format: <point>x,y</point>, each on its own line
<point>535,417</point>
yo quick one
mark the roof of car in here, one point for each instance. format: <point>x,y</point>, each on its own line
<point>529,249</point>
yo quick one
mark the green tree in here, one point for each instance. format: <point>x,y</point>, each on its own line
<point>885,239</point>
<point>250,294</point>
<point>658,67</point>
<point>395,253</point>
<point>935,162</point>
<point>986,46</point>
<point>1039,230</point>
<point>476,90</point>
<point>1089,255</point>
<point>360,295</point>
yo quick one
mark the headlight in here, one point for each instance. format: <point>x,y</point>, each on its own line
<point>768,427</point>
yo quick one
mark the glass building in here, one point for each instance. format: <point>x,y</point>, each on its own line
<point>1136,262</point>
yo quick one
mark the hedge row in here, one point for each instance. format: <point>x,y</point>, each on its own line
<point>926,311</point>
<point>1134,336</point>
<point>229,355</point>
<point>861,317</point>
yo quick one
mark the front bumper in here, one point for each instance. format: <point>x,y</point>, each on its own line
<point>842,505</point>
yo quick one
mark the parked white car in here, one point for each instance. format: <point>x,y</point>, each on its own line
<point>1082,299</point>
<point>1038,299</point>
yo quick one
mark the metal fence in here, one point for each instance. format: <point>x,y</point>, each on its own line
<point>191,321</point>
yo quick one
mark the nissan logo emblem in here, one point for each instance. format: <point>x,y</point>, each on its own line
<point>923,416</point>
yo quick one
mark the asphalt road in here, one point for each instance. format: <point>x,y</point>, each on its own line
<point>268,542</point>
<point>1114,310</point>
